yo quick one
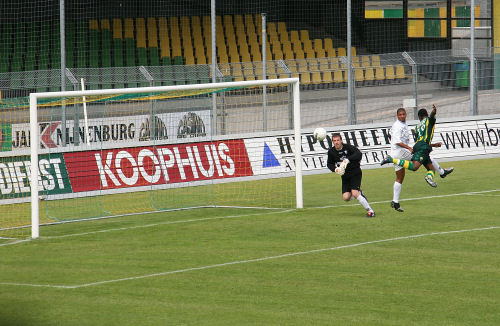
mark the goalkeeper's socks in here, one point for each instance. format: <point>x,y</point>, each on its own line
<point>403,163</point>
<point>362,200</point>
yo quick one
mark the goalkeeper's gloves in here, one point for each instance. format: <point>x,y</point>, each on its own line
<point>340,170</point>
<point>344,163</point>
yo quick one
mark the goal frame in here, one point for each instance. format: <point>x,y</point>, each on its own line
<point>35,137</point>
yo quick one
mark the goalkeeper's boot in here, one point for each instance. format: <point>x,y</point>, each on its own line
<point>447,171</point>
<point>387,159</point>
<point>370,214</point>
<point>396,206</point>
<point>430,181</point>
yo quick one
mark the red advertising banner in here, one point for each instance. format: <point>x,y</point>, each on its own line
<point>155,165</point>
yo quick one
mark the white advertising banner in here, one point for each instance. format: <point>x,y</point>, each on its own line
<point>117,130</point>
<point>459,139</point>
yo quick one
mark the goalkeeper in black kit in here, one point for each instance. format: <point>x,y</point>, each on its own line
<point>344,159</point>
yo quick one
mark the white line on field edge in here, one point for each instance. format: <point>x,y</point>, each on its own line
<point>234,216</point>
<point>245,261</point>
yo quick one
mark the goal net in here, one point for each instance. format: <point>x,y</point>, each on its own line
<point>105,153</point>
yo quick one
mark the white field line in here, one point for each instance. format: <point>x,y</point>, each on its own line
<point>235,216</point>
<point>147,226</point>
<point>417,198</point>
<point>299,253</point>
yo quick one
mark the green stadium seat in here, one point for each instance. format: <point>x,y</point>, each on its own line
<point>179,74</point>
<point>5,49</point>
<point>105,43</point>
<point>204,74</point>
<point>191,74</point>
<point>167,75</point>
<point>154,56</point>
<point>118,52</point>
<point>130,52</point>
<point>166,61</point>
<point>142,56</point>
<point>178,60</point>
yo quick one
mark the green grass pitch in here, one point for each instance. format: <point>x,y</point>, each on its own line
<point>438,263</point>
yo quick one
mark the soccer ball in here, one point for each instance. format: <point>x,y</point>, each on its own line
<point>319,134</point>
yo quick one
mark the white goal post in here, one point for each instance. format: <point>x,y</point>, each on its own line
<point>36,98</point>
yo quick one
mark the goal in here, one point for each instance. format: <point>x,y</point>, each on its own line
<point>115,152</point>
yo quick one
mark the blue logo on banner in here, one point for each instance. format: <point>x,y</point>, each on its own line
<point>269,159</point>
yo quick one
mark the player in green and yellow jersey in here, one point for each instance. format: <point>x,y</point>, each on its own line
<point>422,148</point>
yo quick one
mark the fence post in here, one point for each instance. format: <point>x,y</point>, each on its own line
<point>414,74</point>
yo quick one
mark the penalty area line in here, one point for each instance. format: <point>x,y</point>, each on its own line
<point>255,260</point>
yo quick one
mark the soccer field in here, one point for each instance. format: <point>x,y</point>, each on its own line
<point>438,263</point>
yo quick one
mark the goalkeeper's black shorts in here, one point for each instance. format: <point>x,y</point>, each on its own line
<point>351,182</point>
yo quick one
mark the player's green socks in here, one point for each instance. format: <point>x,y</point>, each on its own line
<point>403,163</point>
<point>431,174</point>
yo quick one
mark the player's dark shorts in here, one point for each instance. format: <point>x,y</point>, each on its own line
<point>421,152</point>
<point>351,182</point>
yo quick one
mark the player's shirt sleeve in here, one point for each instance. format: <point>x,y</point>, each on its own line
<point>396,133</point>
<point>354,154</point>
<point>332,161</point>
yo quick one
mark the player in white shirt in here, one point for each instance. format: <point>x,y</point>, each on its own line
<point>400,138</point>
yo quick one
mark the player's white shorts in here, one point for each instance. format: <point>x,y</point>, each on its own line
<point>402,154</point>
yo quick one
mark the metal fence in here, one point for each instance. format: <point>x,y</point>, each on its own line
<point>381,83</point>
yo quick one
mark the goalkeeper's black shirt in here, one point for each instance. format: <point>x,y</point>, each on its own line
<point>348,151</point>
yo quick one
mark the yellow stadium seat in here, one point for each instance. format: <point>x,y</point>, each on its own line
<point>288,55</point>
<point>331,53</point>
<point>271,28</point>
<point>94,24</point>
<point>320,53</point>
<point>190,60</point>
<point>328,44</point>
<point>338,76</point>
<point>307,45</point>
<point>318,44</point>
<point>400,73</point>
<point>316,78</point>
<point>324,64</point>
<point>304,35</point>
<point>278,56</point>
<point>105,24</point>
<point>365,61</point>
<point>369,76</point>
<point>245,57</point>
<point>129,28</point>
<point>379,74</point>
<point>305,78</point>
<point>355,62</point>
<point>302,65</point>
<point>237,71</point>
<point>327,77</point>
<point>152,33</point>
<point>296,46</point>
<point>389,73</point>
<point>341,52</point>
<point>117,28</point>
<point>225,68</point>
<point>359,76</point>
<point>294,36</point>
<point>375,61</point>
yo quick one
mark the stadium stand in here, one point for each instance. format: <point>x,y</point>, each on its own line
<point>185,43</point>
